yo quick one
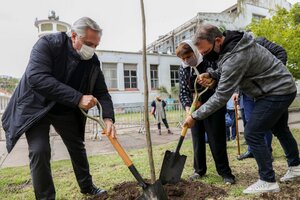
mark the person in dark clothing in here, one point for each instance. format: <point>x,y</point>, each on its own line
<point>214,125</point>
<point>249,102</point>
<point>159,112</point>
<point>245,64</point>
<point>62,76</point>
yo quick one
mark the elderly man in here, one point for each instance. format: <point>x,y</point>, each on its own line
<point>245,64</point>
<point>62,76</point>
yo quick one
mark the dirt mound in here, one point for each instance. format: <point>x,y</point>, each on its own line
<point>182,190</point>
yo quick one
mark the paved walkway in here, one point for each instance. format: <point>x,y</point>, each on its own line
<point>129,138</point>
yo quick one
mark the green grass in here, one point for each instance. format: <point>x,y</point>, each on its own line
<point>296,103</point>
<point>108,170</point>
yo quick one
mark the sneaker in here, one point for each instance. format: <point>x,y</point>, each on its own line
<point>94,191</point>
<point>159,132</point>
<point>262,186</point>
<point>229,180</point>
<point>170,132</point>
<point>247,154</point>
<point>291,174</point>
<point>194,176</point>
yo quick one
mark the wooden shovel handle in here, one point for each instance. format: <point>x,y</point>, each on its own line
<point>120,150</point>
<point>237,133</point>
<point>192,109</point>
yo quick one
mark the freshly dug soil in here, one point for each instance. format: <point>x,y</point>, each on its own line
<point>183,190</point>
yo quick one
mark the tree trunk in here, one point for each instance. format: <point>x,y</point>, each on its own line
<point>146,98</point>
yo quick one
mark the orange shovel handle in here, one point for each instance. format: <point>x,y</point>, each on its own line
<point>120,150</point>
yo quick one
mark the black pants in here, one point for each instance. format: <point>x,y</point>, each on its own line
<point>67,126</point>
<point>165,122</point>
<point>215,128</point>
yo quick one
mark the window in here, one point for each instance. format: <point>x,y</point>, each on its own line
<point>61,28</point>
<point>130,76</point>
<point>110,74</point>
<point>154,76</point>
<point>46,27</point>
<point>174,74</point>
<point>257,17</point>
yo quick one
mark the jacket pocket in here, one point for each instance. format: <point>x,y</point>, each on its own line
<point>21,98</point>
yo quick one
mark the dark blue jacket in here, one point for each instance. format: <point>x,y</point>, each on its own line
<point>52,62</point>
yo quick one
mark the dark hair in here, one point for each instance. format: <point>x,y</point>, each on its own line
<point>183,49</point>
<point>207,32</point>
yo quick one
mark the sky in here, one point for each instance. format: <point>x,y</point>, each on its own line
<point>119,19</point>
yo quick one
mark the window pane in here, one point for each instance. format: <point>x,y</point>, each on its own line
<point>47,27</point>
<point>127,85</point>
<point>126,80</point>
<point>172,75</point>
<point>134,85</point>
<point>133,73</point>
<point>126,73</point>
<point>172,83</point>
<point>61,28</point>
<point>133,79</point>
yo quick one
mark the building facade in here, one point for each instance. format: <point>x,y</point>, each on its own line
<point>123,72</point>
<point>236,17</point>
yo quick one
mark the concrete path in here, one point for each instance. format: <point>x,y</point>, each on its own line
<point>129,138</point>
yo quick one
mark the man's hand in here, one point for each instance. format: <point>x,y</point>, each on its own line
<point>189,122</point>
<point>110,128</point>
<point>205,80</point>
<point>235,96</point>
<point>87,101</point>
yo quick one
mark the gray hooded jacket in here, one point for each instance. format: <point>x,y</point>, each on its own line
<point>253,69</point>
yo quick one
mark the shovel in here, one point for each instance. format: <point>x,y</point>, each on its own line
<point>150,191</point>
<point>237,128</point>
<point>173,162</point>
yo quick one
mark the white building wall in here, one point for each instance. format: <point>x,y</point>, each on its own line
<point>124,97</point>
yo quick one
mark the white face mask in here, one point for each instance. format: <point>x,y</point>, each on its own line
<point>191,61</point>
<point>86,52</point>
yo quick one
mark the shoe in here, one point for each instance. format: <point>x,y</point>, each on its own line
<point>195,176</point>
<point>291,174</point>
<point>229,180</point>
<point>159,132</point>
<point>247,154</point>
<point>94,191</point>
<point>170,132</point>
<point>262,186</point>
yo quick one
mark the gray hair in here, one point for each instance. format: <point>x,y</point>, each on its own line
<point>207,32</point>
<point>82,24</point>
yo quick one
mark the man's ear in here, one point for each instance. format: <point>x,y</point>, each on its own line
<point>218,40</point>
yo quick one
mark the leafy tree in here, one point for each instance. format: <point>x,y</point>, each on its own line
<point>8,83</point>
<point>283,29</point>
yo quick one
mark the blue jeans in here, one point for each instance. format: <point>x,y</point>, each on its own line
<point>233,128</point>
<point>248,108</point>
<point>271,113</point>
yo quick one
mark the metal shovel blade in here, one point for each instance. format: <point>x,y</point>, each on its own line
<point>153,192</point>
<point>172,167</point>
